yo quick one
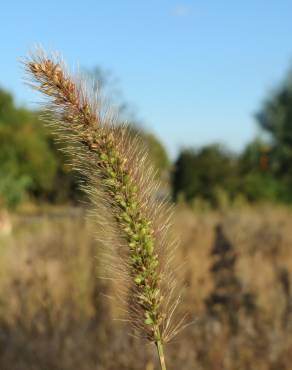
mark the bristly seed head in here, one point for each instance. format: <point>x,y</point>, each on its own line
<point>110,160</point>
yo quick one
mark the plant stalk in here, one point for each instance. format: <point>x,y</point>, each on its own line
<point>160,351</point>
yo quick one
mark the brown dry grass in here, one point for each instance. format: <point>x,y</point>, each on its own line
<point>54,314</point>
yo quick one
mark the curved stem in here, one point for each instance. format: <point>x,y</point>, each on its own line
<point>159,347</point>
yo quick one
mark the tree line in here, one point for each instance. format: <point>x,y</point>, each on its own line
<point>261,172</point>
<point>32,166</point>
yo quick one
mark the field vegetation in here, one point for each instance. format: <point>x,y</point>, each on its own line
<point>236,269</point>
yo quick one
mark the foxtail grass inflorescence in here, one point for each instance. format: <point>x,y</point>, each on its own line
<point>120,181</point>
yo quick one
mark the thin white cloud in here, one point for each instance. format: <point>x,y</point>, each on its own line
<point>181,10</point>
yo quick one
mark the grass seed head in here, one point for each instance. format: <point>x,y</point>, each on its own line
<point>120,181</point>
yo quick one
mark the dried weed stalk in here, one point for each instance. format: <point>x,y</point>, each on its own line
<point>122,188</point>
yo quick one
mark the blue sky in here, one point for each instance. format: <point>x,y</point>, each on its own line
<point>194,71</point>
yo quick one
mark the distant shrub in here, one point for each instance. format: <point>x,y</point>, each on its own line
<point>201,173</point>
<point>27,161</point>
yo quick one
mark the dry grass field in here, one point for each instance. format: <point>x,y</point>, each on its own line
<point>235,266</point>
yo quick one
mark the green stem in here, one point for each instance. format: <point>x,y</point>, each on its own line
<point>160,351</point>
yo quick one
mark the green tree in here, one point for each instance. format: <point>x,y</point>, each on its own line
<point>27,163</point>
<point>258,182</point>
<point>200,173</point>
<point>275,118</point>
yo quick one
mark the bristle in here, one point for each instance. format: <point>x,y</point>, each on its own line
<point>122,187</point>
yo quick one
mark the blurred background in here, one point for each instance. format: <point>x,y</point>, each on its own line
<point>208,86</point>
